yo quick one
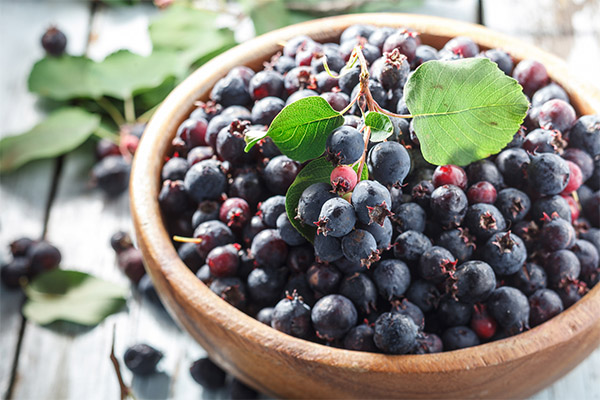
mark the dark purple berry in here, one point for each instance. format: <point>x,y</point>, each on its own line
<point>360,338</point>
<point>459,337</point>
<point>280,173</point>
<point>54,41</point>
<point>208,374</point>
<point>505,253</point>
<point>292,316</point>
<point>543,304</point>
<point>323,278</point>
<point>395,333</point>
<point>333,316</point>
<point>141,359</point>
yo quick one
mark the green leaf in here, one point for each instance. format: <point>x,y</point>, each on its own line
<point>365,171</point>
<point>72,296</point>
<point>64,78</point>
<point>121,75</point>
<point>266,15</point>
<point>463,110</point>
<point>300,130</point>
<point>63,131</point>
<point>316,171</point>
<point>182,27</point>
<point>380,124</point>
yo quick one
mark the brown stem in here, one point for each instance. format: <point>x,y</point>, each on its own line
<point>364,156</point>
<point>125,390</point>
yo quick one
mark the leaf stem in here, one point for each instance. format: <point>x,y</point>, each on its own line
<point>183,239</point>
<point>364,156</point>
<point>349,106</point>
<point>391,114</point>
<point>111,110</point>
<point>129,110</point>
<point>104,133</point>
<point>145,117</point>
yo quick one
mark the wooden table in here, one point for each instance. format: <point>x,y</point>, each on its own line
<point>51,199</point>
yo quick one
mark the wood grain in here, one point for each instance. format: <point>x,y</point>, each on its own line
<point>291,367</point>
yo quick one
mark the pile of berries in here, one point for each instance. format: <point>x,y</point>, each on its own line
<point>415,259</point>
<point>29,259</point>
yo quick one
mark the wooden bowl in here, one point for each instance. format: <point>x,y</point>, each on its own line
<point>283,366</point>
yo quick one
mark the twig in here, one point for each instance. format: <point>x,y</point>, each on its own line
<point>125,390</point>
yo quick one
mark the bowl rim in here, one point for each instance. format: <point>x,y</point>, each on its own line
<point>184,286</point>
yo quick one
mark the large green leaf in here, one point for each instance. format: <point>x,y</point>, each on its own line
<point>463,110</point>
<point>266,15</point>
<point>72,296</point>
<point>63,131</point>
<point>120,75</point>
<point>300,130</point>
<point>183,27</point>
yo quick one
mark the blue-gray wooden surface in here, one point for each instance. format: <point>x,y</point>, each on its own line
<point>52,198</point>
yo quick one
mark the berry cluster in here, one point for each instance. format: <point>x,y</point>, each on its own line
<point>29,259</point>
<point>415,259</point>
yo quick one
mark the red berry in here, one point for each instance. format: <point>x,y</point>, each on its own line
<point>343,179</point>
<point>575,178</point>
<point>450,175</point>
<point>482,323</point>
<point>223,261</point>
<point>557,114</point>
<point>482,192</point>
<point>235,212</point>
<point>574,206</point>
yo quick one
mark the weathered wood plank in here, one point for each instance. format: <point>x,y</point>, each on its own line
<point>24,193</point>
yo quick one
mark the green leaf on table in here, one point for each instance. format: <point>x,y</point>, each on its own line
<point>64,78</point>
<point>266,15</point>
<point>72,296</point>
<point>120,75</point>
<point>62,131</point>
<point>123,73</point>
<point>316,171</point>
<point>380,124</point>
<point>463,110</point>
<point>183,27</point>
<point>300,130</point>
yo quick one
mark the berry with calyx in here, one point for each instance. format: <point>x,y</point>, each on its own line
<point>343,179</point>
<point>428,343</point>
<point>510,308</point>
<point>473,282</point>
<point>371,201</point>
<point>311,201</point>
<point>548,173</point>
<point>512,164</point>
<point>392,278</point>
<point>360,245</point>
<point>421,193</point>
<point>530,278</point>
<point>561,266</point>
<point>483,220</point>
<point>333,316</point>
<point>505,252</point>
<point>449,205</point>
<point>410,245</point>
<point>513,204</point>
<point>557,234</point>
<point>361,290</point>
<point>141,359</point>
<point>345,145</point>
<point>544,304</point>
<point>459,242</point>
<point>279,174</point>
<point>436,264</point>
<point>337,218</point>
<point>269,249</point>
<point>585,134</point>
<point>54,41</point>
<point>292,316</point>
<point>223,261</point>
<point>406,42</point>
<point>395,333</point>
<point>235,212</point>
<point>549,205</point>
<point>571,291</point>
<point>382,234</point>
<point>544,141</point>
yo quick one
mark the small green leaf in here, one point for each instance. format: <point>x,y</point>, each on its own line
<point>300,130</point>
<point>316,171</point>
<point>463,110</point>
<point>364,174</point>
<point>72,296</point>
<point>63,131</point>
<point>380,124</point>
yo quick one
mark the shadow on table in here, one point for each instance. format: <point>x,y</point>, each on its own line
<point>155,386</point>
